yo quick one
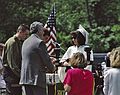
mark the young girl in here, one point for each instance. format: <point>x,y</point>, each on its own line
<point>78,81</point>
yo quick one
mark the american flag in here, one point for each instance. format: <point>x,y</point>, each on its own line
<point>51,23</point>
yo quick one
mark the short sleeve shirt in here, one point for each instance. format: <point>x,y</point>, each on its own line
<point>80,80</point>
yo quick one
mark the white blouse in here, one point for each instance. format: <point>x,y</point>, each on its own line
<point>74,49</point>
<point>112,82</point>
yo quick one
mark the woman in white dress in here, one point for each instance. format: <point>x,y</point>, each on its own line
<point>80,41</point>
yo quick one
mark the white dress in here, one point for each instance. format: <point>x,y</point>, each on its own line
<point>68,54</point>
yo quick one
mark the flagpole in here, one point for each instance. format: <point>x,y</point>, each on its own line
<point>51,23</point>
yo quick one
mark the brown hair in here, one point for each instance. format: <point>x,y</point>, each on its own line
<point>78,60</point>
<point>23,27</point>
<point>115,58</point>
<point>79,36</point>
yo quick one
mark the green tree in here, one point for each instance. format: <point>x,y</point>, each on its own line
<point>16,12</point>
<point>101,18</point>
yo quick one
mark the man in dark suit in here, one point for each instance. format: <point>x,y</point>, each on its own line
<point>35,61</point>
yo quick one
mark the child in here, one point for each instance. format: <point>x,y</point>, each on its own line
<point>78,81</point>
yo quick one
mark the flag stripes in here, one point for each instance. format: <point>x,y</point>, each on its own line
<point>51,23</point>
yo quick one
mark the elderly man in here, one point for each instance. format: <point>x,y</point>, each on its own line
<point>35,61</point>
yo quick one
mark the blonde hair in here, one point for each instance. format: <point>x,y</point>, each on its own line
<point>78,60</point>
<point>115,58</point>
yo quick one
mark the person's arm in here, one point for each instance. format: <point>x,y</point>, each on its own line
<point>66,56</point>
<point>45,57</point>
<point>67,81</point>
<point>16,59</point>
<point>10,58</point>
<point>106,83</point>
<point>67,88</point>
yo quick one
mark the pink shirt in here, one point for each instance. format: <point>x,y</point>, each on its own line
<point>80,80</point>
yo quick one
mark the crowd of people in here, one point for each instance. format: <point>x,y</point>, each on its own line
<point>24,61</point>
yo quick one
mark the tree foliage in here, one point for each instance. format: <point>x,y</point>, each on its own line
<point>101,18</point>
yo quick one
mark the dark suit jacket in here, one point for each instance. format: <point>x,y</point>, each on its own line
<point>35,60</point>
